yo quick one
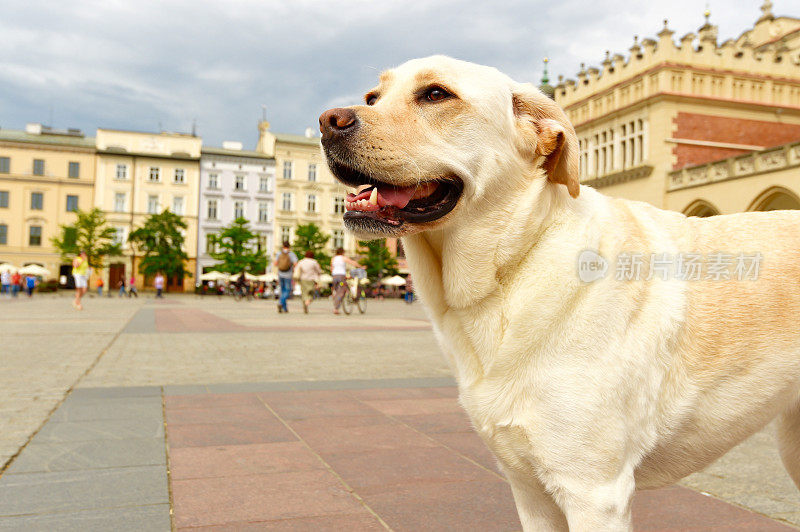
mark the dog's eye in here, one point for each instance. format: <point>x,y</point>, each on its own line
<point>436,94</point>
<point>371,99</point>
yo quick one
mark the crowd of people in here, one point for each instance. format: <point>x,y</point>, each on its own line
<point>13,283</point>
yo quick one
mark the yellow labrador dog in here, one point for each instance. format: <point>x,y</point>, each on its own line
<point>600,345</point>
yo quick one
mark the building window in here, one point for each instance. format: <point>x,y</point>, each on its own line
<point>213,181</point>
<point>338,205</point>
<point>238,210</point>
<point>286,234</point>
<point>238,182</point>
<point>3,234</point>
<point>152,204</point>
<point>4,199</point>
<point>286,201</point>
<point>35,235</point>
<point>119,202</point>
<point>311,203</point>
<point>122,171</point>
<point>263,211</point>
<point>210,244</point>
<point>337,238</point>
<point>212,209</point>
<point>177,205</point>
<point>5,165</point>
<point>119,235</point>
<point>287,169</point>
<point>74,169</point>
<point>312,172</point>
<point>179,175</point>
<point>72,203</point>
<point>37,201</point>
<point>261,243</point>
<point>155,173</point>
<point>38,167</point>
<point>263,184</point>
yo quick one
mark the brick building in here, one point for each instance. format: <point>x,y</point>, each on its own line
<point>701,127</point>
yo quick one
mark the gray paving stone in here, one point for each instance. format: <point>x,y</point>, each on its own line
<point>185,389</point>
<point>34,493</point>
<point>108,408</point>
<point>67,456</point>
<point>106,429</point>
<point>143,322</point>
<point>151,518</point>
<point>115,391</point>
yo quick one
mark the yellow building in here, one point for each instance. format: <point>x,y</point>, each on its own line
<point>45,175</point>
<point>305,190</point>
<point>699,127</point>
<point>139,174</point>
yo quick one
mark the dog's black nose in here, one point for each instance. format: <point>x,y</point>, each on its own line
<point>337,121</point>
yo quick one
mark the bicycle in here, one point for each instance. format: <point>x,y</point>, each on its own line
<point>354,295</point>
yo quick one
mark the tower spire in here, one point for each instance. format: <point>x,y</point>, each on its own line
<point>545,86</point>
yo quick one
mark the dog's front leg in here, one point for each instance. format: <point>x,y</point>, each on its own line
<point>536,508</point>
<point>592,506</point>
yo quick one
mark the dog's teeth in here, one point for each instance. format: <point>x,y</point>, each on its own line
<point>373,197</point>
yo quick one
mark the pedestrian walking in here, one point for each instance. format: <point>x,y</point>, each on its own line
<point>132,288</point>
<point>285,261</point>
<point>121,288</point>
<point>5,282</point>
<point>16,283</point>
<point>159,284</point>
<point>339,273</point>
<point>100,284</point>
<point>307,271</point>
<point>409,290</point>
<point>30,284</point>
<point>80,272</point>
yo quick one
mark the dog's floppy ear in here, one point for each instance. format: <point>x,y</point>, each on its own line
<point>546,131</point>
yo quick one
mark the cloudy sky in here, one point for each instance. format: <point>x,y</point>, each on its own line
<point>150,65</point>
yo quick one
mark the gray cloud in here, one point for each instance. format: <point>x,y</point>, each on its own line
<point>138,65</point>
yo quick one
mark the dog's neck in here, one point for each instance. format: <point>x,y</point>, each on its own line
<point>457,266</point>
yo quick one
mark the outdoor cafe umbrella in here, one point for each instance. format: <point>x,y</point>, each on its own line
<point>214,276</point>
<point>247,276</point>
<point>325,279</point>
<point>7,267</point>
<point>34,269</point>
<point>395,280</point>
<point>267,277</point>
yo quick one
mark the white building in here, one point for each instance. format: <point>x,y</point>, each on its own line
<point>234,183</point>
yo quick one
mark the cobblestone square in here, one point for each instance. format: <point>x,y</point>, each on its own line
<point>359,410</point>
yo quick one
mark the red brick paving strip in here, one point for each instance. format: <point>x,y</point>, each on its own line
<point>409,454</point>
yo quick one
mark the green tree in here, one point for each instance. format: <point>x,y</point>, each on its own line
<point>91,234</point>
<point>309,236</point>
<point>161,239</point>
<point>237,249</point>
<point>378,261</point>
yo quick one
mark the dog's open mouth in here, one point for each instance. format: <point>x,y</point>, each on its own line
<point>392,204</point>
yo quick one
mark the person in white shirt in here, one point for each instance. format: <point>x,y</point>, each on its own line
<point>339,273</point>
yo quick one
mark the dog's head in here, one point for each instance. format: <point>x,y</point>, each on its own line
<point>437,136</point>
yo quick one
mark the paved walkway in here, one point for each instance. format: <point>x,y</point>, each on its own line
<point>235,417</point>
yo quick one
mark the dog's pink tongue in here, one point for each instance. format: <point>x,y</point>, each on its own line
<point>387,195</point>
<point>398,197</point>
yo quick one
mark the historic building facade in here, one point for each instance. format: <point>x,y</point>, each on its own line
<point>45,175</point>
<point>700,127</point>
<point>234,184</point>
<point>139,174</point>
<point>305,189</point>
